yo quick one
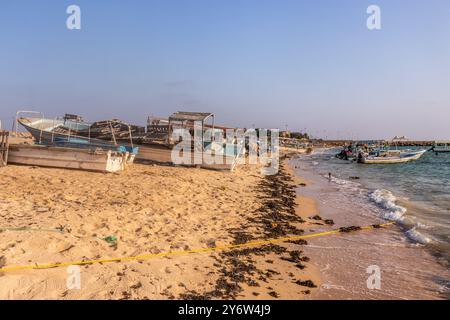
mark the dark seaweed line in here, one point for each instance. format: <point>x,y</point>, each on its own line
<point>274,218</point>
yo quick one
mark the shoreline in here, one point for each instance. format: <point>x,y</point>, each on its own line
<point>343,261</point>
<point>154,209</point>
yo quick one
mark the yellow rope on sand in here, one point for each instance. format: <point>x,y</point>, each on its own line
<point>209,249</point>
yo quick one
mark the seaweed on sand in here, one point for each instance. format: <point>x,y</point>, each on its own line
<point>276,217</point>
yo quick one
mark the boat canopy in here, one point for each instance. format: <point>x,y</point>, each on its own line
<point>190,116</point>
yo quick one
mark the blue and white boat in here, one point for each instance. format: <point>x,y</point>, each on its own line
<point>65,133</point>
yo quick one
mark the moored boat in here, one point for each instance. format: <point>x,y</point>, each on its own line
<point>441,147</point>
<point>390,156</point>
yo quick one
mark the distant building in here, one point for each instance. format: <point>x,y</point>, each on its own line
<point>400,139</point>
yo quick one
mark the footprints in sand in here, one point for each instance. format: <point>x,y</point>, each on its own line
<point>162,209</point>
<point>256,271</point>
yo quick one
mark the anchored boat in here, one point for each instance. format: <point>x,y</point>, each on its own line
<point>390,156</point>
<point>441,147</point>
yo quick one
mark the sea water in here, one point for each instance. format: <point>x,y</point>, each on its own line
<point>416,195</point>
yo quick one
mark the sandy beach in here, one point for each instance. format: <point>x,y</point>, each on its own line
<point>60,216</point>
<point>169,214</point>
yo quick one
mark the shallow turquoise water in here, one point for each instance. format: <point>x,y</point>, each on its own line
<point>416,194</point>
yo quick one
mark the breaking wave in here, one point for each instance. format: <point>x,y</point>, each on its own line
<point>394,212</point>
<point>386,200</point>
<point>416,236</point>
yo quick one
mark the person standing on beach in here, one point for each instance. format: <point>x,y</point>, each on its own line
<point>329,176</point>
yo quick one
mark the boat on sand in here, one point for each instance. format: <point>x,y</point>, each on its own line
<point>69,133</point>
<point>67,158</point>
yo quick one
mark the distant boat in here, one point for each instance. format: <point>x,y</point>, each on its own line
<point>390,156</point>
<point>441,147</point>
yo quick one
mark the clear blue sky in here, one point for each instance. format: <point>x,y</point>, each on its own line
<point>303,63</point>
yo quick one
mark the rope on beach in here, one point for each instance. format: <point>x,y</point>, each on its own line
<point>25,229</point>
<point>209,249</point>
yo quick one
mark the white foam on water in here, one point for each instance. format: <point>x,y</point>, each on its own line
<point>383,203</point>
<point>394,212</point>
<point>386,200</point>
<point>416,236</point>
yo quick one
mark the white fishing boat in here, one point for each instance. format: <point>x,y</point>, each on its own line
<point>390,156</point>
<point>67,158</point>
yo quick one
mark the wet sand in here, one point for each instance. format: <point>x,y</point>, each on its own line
<point>57,216</point>
<point>408,270</point>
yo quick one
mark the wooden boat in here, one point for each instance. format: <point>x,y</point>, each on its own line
<point>68,158</point>
<point>57,132</point>
<point>158,145</point>
<point>225,157</point>
<point>390,156</point>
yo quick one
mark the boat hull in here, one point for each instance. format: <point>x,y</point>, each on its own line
<point>163,155</point>
<point>149,152</point>
<point>393,160</point>
<point>48,138</point>
<point>67,158</point>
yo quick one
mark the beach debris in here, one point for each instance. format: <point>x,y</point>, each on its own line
<point>125,296</point>
<point>329,222</point>
<point>300,266</point>
<point>2,263</point>
<point>306,283</point>
<point>112,240</point>
<point>211,243</point>
<point>354,178</point>
<point>300,242</point>
<point>349,229</point>
<point>302,184</point>
<point>316,217</point>
<point>295,257</point>
<point>67,249</point>
<point>136,286</point>
<point>26,229</point>
<point>276,217</point>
